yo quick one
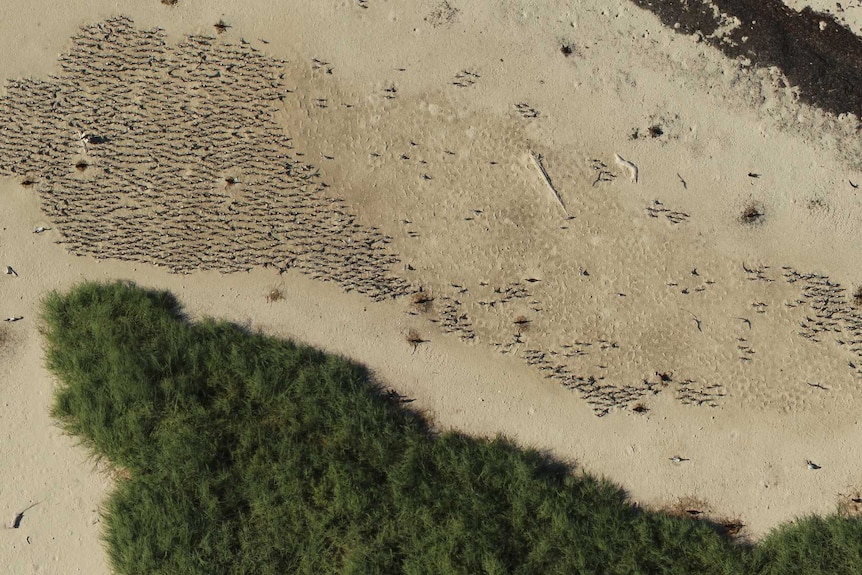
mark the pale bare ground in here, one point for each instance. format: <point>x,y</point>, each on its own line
<point>615,321</point>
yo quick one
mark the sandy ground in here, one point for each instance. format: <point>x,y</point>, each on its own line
<point>617,313</point>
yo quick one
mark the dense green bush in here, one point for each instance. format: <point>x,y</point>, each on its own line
<point>248,454</point>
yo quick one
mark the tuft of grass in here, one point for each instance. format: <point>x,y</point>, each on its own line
<point>857,296</point>
<point>243,453</point>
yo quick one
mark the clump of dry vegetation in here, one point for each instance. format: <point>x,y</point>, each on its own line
<point>422,300</point>
<point>688,506</point>
<point>413,338</point>
<point>752,214</point>
<point>850,504</point>
<point>857,296</point>
<point>275,294</point>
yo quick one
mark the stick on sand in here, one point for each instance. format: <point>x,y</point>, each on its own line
<point>537,159</point>
<point>632,168</point>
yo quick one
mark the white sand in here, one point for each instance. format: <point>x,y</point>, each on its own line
<point>720,122</point>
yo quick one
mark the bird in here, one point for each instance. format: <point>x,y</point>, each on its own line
<point>15,318</point>
<point>811,464</point>
<point>40,229</point>
<point>11,272</point>
<point>678,459</point>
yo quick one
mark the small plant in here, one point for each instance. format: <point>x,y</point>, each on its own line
<point>422,301</point>
<point>274,295</point>
<point>221,26</point>
<point>817,204</point>
<point>655,131</point>
<point>857,296</point>
<point>169,2</point>
<point>752,214</point>
<point>414,339</point>
<point>567,50</point>
<point>81,165</point>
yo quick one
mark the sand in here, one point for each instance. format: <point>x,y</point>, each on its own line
<point>565,185</point>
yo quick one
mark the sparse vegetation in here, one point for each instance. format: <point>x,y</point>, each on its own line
<point>242,453</point>
<point>655,131</point>
<point>688,506</point>
<point>274,295</point>
<point>81,165</point>
<point>421,301</point>
<point>857,296</point>
<point>414,339</point>
<point>850,504</point>
<point>752,214</point>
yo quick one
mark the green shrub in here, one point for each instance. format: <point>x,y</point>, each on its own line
<point>248,454</point>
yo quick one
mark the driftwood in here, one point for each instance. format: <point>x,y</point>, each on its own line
<point>537,160</point>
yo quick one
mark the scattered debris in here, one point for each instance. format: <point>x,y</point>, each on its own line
<point>632,168</point>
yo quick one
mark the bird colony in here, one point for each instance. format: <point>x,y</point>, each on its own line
<point>171,155</point>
